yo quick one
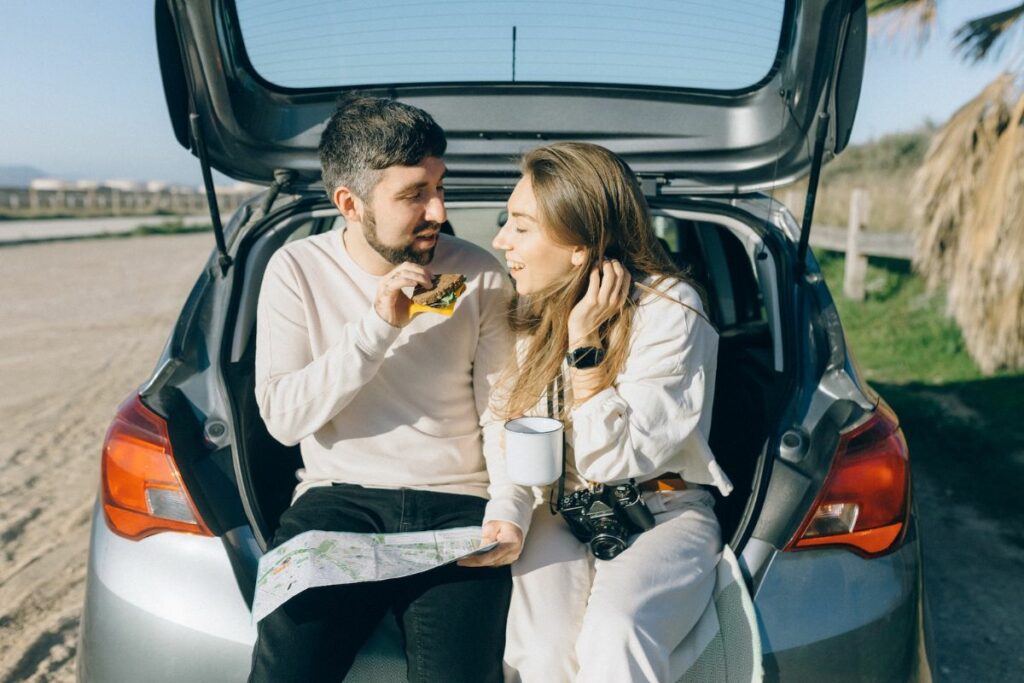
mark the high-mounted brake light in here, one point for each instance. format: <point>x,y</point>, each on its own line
<point>865,500</point>
<point>142,491</point>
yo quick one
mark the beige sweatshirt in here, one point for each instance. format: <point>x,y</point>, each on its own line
<point>375,405</point>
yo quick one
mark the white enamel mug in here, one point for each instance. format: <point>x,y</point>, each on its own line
<point>533,450</point>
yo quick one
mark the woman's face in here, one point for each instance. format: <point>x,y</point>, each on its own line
<point>533,258</point>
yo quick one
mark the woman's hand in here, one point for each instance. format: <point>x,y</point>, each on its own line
<point>605,296</point>
<point>510,545</point>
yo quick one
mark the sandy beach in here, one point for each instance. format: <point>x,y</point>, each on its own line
<point>83,324</point>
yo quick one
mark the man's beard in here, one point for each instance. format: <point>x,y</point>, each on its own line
<point>397,255</point>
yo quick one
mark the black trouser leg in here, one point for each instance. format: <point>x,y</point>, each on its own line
<point>316,635</point>
<point>454,624</point>
<point>453,618</point>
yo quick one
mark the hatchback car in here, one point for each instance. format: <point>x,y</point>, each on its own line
<point>713,103</point>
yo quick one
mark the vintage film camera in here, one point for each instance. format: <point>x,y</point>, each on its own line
<point>605,516</point>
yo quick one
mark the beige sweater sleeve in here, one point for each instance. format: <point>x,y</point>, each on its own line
<point>508,502</point>
<point>298,394</point>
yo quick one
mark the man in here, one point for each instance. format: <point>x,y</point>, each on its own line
<point>390,410</point>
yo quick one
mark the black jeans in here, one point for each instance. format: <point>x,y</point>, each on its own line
<point>452,618</point>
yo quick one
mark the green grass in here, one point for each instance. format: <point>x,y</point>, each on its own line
<point>964,429</point>
<point>174,227</point>
<point>99,212</point>
<point>899,333</point>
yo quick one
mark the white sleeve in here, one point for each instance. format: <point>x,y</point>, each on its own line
<point>636,427</point>
<point>298,394</point>
<point>508,502</point>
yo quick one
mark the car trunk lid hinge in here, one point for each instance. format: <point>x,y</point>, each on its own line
<point>822,134</point>
<point>282,176</point>
<point>196,133</point>
<point>812,191</point>
<point>651,184</point>
<point>223,259</point>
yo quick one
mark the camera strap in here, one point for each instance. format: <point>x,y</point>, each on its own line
<point>556,406</point>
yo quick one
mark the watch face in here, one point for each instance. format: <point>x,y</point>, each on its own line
<point>585,357</point>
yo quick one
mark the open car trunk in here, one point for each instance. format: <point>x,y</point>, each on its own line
<point>725,256</point>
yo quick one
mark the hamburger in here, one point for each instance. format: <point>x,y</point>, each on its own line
<point>440,298</point>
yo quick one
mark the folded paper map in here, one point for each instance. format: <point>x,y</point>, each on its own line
<point>330,558</point>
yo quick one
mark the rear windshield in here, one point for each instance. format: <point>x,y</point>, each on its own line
<point>705,44</point>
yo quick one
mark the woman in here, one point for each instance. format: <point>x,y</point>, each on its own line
<point>596,290</point>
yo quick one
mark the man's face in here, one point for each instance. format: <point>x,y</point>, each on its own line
<point>403,216</point>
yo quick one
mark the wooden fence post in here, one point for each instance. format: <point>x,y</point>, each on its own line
<point>855,267</point>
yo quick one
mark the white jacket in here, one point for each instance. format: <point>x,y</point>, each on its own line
<point>657,416</point>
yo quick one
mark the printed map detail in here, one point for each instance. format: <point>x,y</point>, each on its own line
<point>329,558</point>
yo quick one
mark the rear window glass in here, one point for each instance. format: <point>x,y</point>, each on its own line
<point>706,44</point>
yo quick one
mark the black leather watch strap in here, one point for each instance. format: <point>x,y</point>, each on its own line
<point>585,357</point>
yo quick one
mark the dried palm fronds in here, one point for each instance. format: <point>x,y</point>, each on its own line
<point>987,35</point>
<point>975,40</point>
<point>894,18</point>
<point>970,191</point>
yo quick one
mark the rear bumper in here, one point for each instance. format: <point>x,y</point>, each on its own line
<point>166,608</point>
<point>831,615</point>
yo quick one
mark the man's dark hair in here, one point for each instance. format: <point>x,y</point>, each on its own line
<point>368,134</point>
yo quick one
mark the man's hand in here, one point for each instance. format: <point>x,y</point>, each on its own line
<point>391,303</point>
<point>510,545</point>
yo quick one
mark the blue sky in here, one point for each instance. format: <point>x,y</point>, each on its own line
<point>80,91</point>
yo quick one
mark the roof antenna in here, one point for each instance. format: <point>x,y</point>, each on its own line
<point>513,54</point>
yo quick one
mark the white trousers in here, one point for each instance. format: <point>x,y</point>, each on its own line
<point>574,618</point>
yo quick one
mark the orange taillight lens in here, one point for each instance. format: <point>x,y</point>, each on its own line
<point>865,500</point>
<point>142,492</point>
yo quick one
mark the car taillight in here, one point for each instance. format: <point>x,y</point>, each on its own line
<point>142,491</point>
<point>865,500</point>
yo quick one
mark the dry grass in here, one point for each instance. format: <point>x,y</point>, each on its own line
<point>888,211</point>
<point>884,168</point>
<point>970,191</point>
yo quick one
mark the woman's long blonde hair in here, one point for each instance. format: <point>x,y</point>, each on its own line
<point>586,196</point>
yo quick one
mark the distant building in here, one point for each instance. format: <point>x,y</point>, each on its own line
<point>50,184</point>
<point>46,195</point>
<point>125,185</point>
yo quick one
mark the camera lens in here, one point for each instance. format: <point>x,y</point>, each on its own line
<point>606,547</point>
<point>609,538</point>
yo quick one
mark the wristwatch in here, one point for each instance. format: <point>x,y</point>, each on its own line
<point>585,357</point>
